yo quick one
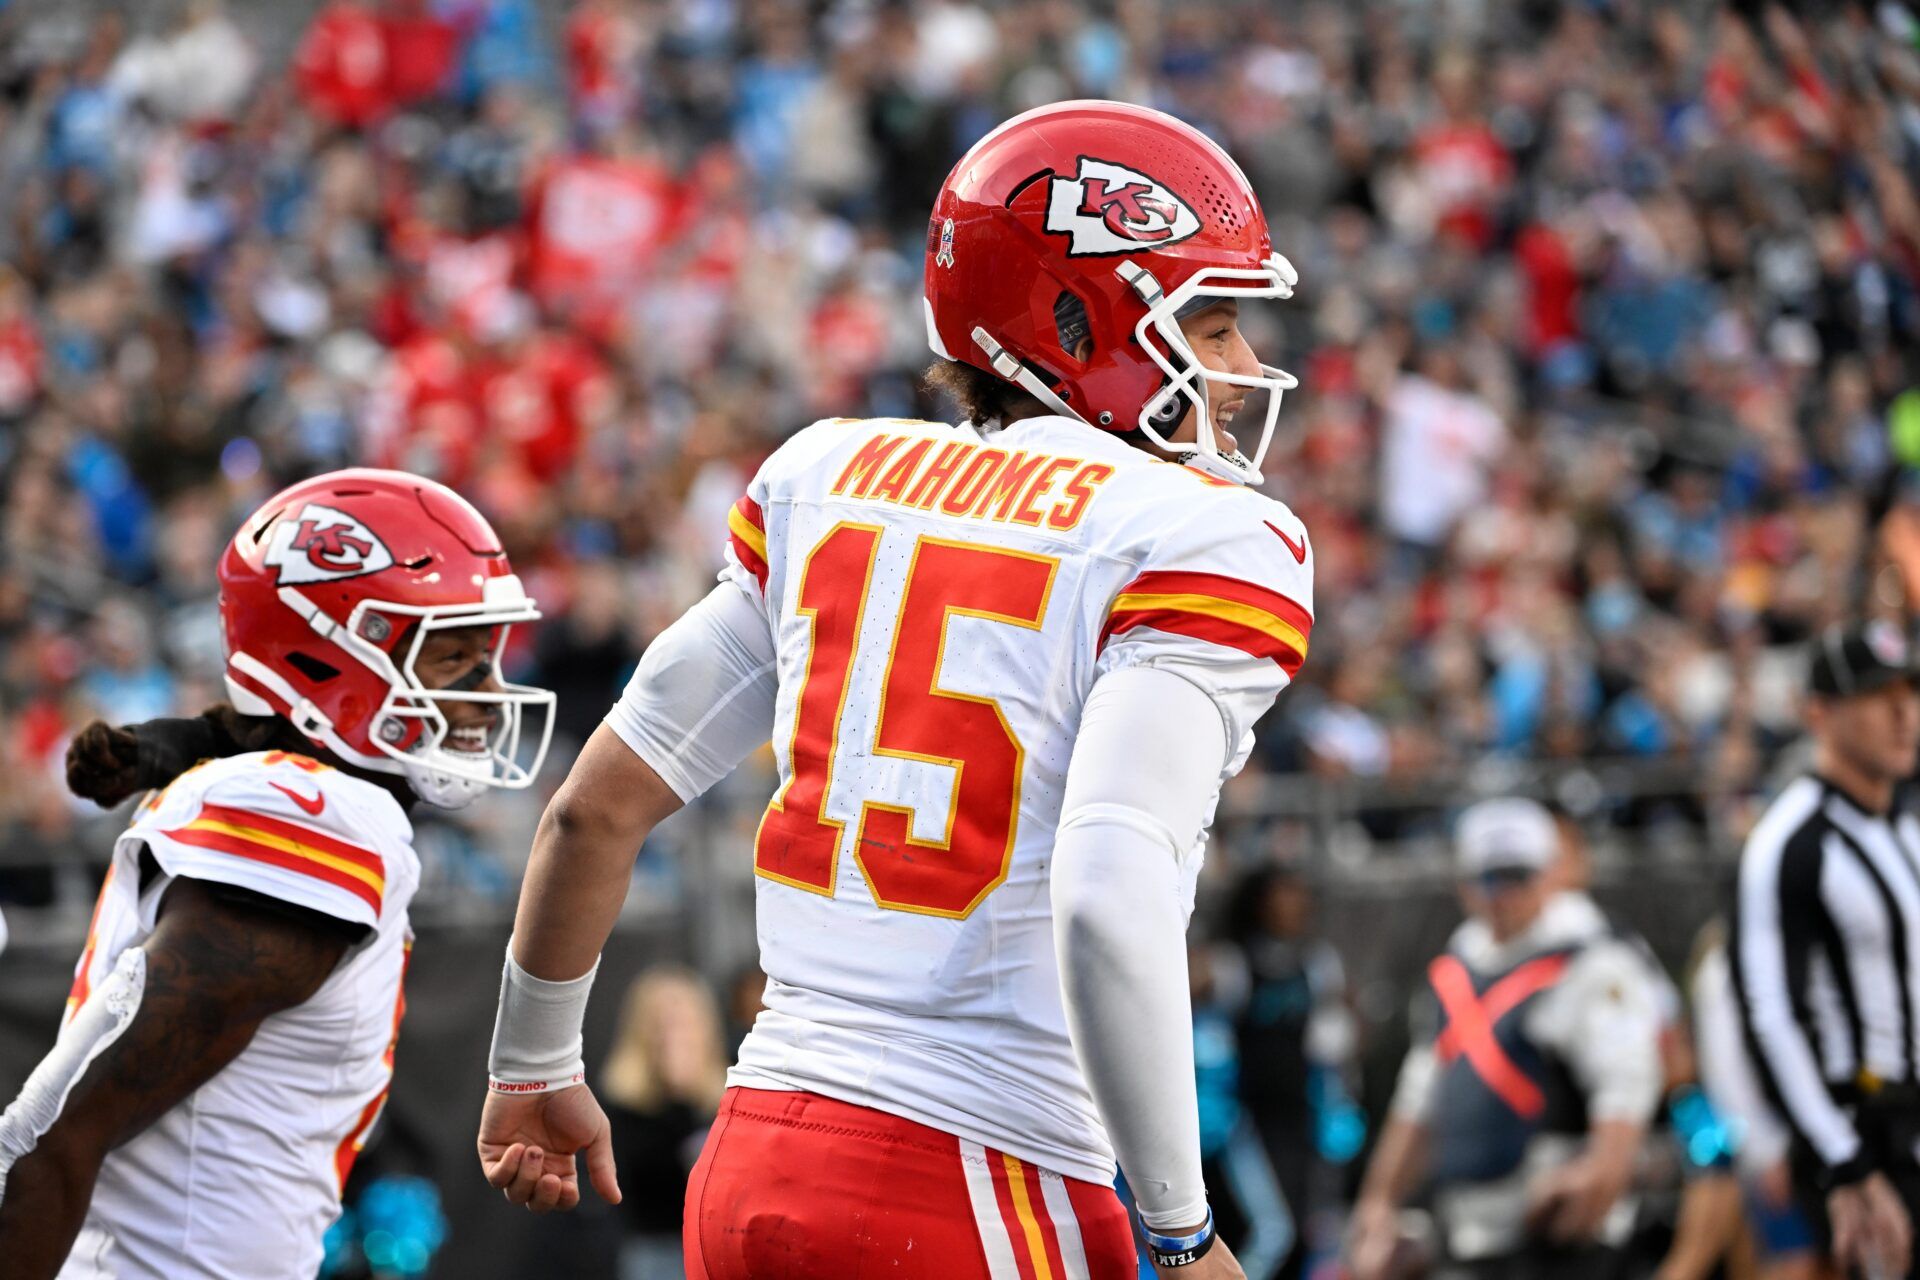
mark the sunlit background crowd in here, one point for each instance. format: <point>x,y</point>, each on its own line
<point>1608,335</point>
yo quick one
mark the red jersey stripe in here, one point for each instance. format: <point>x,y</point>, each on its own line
<point>1221,586</point>
<point>751,560</point>
<point>1201,626</point>
<point>297,832</point>
<point>222,842</point>
<point>747,530</point>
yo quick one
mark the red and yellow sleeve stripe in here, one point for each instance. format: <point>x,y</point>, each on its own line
<point>1216,608</point>
<point>747,530</point>
<point>289,846</point>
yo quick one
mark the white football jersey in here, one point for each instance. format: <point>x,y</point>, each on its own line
<point>942,601</point>
<point>241,1180</point>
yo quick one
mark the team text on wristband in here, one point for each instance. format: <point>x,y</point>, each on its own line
<point>1179,1251</point>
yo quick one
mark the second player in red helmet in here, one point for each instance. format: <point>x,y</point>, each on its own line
<point>330,594</point>
<point>1006,665</point>
<point>231,1030</point>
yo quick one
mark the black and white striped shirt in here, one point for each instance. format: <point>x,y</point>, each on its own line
<point>1826,960</point>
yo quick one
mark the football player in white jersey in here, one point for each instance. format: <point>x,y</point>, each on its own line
<point>1005,667</point>
<point>230,1034</point>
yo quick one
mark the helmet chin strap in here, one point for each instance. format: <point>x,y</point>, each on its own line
<point>1010,367</point>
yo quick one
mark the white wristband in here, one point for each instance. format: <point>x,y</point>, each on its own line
<point>497,1085</point>
<point>537,1042</point>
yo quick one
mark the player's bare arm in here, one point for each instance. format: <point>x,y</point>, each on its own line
<point>220,962</point>
<point>583,855</point>
<point>711,671</point>
<point>577,877</point>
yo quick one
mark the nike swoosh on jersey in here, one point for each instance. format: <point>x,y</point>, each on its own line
<point>312,805</point>
<point>1299,548</point>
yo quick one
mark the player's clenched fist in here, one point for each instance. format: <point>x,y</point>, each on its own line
<point>528,1142</point>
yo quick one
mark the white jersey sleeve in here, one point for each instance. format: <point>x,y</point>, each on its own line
<point>282,825</point>
<point>1224,599</point>
<point>703,695</point>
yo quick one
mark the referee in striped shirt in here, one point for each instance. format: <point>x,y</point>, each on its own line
<point>1826,951</point>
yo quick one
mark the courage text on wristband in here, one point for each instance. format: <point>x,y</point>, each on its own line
<point>496,1085</point>
<point>1179,1251</point>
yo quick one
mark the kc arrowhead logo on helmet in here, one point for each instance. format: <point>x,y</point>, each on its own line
<point>1109,208</point>
<point>321,544</point>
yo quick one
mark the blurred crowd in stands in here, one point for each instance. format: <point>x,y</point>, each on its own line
<point>1608,330</point>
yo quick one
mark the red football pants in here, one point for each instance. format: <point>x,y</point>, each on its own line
<point>794,1186</point>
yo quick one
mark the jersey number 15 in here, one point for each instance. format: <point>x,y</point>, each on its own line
<point>918,720</point>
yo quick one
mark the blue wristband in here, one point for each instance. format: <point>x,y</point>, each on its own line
<point>1179,1251</point>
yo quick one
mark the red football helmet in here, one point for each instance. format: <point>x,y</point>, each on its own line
<point>327,594</point>
<point>1105,221</point>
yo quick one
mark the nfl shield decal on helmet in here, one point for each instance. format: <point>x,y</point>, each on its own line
<point>944,257</point>
<point>320,544</point>
<point>1109,208</point>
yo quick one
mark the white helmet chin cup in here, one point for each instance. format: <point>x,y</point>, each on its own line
<point>442,790</point>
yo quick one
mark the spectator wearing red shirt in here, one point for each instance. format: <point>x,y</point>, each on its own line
<point>424,415</point>
<point>596,224</point>
<point>19,349</point>
<point>422,49</point>
<point>1547,265</point>
<point>605,41</point>
<point>357,65</point>
<point>849,333</point>
<point>341,67</point>
<point>1465,170</point>
<point>537,388</point>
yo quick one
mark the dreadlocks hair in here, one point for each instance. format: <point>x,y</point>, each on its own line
<point>107,763</point>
